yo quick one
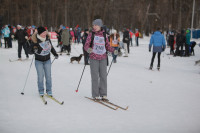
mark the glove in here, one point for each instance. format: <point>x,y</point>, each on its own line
<point>163,49</point>
<point>116,52</point>
<point>35,49</point>
<point>149,50</point>
<point>89,50</point>
<point>26,37</point>
<point>56,56</point>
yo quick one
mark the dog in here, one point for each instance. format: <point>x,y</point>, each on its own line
<point>76,58</point>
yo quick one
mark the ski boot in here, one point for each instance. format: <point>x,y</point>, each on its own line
<point>158,67</point>
<point>105,99</point>
<point>151,67</point>
<point>96,99</point>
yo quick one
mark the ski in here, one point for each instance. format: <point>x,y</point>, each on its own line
<point>43,99</point>
<point>102,103</point>
<point>149,69</point>
<point>54,99</point>
<point>116,105</point>
<point>17,60</point>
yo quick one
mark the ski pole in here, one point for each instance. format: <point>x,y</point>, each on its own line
<point>28,43</point>
<point>53,61</point>
<point>167,55</point>
<point>27,76</point>
<point>110,66</point>
<point>80,79</point>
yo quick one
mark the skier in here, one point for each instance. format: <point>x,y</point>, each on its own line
<point>131,36</point>
<point>126,40</point>
<point>158,42</point>
<point>137,35</point>
<point>171,42</point>
<point>0,36</point>
<point>59,33</point>
<point>6,34</point>
<point>66,39</point>
<point>22,38</point>
<point>72,34</point>
<point>114,42</point>
<point>42,47</point>
<point>180,42</point>
<point>187,45</point>
<point>10,36</point>
<point>97,45</point>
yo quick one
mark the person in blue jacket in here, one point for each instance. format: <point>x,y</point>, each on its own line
<point>6,33</point>
<point>158,42</point>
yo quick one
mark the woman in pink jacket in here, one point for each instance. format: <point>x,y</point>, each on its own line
<point>97,45</point>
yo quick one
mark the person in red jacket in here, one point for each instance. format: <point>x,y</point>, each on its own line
<point>29,30</point>
<point>137,34</point>
<point>131,36</point>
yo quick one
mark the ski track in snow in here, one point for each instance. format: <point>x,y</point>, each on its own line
<point>165,101</point>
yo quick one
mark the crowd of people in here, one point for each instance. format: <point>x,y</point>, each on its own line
<point>97,42</point>
<point>179,43</point>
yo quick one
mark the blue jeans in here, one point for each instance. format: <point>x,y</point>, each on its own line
<point>44,69</point>
<point>114,56</point>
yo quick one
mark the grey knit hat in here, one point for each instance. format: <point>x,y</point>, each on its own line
<point>97,22</point>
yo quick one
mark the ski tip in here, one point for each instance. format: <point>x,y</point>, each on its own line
<point>127,108</point>
<point>76,90</point>
<point>62,103</point>
<point>22,93</point>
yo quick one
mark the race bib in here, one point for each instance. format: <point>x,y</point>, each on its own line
<point>99,45</point>
<point>46,48</point>
<point>114,41</point>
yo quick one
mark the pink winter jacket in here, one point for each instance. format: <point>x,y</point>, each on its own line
<point>93,55</point>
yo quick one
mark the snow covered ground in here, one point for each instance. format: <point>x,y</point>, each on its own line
<point>159,102</point>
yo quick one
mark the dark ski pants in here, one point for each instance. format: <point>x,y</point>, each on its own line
<point>179,52</point>
<point>171,49</point>
<point>153,57</point>
<point>6,41</point>
<point>128,47</point>
<point>10,42</point>
<point>136,40</point>
<point>20,45</point>
<point>187,53</point>
<point>66,47</point>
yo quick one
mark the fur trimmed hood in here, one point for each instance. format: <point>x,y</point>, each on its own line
<point>34,37</point>
<point>112,36</point>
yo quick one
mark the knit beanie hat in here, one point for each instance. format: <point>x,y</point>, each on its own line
<point>114,31</point>
<point>187,31</point>
<point>41,30</point>
<point>98,22</point>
